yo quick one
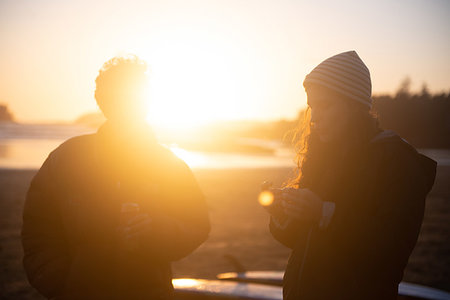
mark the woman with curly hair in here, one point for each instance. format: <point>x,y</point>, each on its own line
<point>353,214</point>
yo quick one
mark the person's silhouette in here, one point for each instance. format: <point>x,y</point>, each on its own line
<point>107,212</point>
<point>353,214</point>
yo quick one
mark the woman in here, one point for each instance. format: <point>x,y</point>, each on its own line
<point>353,214</point>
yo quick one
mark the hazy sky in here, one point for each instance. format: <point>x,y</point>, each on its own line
<point>212,60</point>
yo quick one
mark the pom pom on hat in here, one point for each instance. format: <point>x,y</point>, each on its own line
<point>346,74</point>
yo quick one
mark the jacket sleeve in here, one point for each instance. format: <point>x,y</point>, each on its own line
<point>46,259</point>
<point>184,224</point>
<point>290,232</point>
<point>387,235</point>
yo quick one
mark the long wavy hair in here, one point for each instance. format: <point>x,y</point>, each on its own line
<point>314,156</point>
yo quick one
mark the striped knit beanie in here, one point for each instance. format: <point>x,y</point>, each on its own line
<point>344,73</point>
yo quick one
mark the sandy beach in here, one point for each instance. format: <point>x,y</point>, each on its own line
<point>239,230</point>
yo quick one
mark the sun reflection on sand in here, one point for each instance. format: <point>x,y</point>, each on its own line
<point>191,158</point>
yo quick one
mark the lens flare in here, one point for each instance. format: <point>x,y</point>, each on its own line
<point>265,198</point>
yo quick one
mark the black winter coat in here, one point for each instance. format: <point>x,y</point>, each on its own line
<point>72,210</point>
<point>379,197</point>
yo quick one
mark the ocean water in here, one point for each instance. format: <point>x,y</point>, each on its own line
<point>26,146</point>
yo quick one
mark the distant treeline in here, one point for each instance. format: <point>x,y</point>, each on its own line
<point>422,119</point>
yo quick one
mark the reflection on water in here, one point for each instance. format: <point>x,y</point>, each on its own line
<point>25,146</point>
<point>31,153</point>
<point>204,160</point>
<point>25,153</point>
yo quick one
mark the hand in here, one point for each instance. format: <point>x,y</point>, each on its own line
<point>302,204</point>
<point>136,227</point>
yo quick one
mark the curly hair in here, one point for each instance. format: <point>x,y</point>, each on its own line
<point>120,80</point>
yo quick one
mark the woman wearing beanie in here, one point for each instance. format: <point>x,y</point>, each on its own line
<point>353,214</point>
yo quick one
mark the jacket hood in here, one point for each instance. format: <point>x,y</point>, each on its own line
<point>428,166</point>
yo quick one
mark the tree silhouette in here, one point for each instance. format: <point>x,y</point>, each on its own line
<point>5,114</point>
<point>422,119</point>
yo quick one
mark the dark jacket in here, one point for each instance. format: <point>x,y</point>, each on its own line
<point>72,210</point>
<point>379,193</point>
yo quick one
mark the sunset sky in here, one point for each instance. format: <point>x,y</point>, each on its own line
<point>212,60</point>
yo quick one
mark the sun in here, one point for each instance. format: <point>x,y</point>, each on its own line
<point>188,90</point>
<point>193,82</point>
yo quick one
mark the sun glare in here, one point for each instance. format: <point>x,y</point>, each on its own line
<point>193,81</point>
<point>189,93</point>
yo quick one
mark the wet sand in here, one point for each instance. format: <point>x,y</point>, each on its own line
<point>239,236</point>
